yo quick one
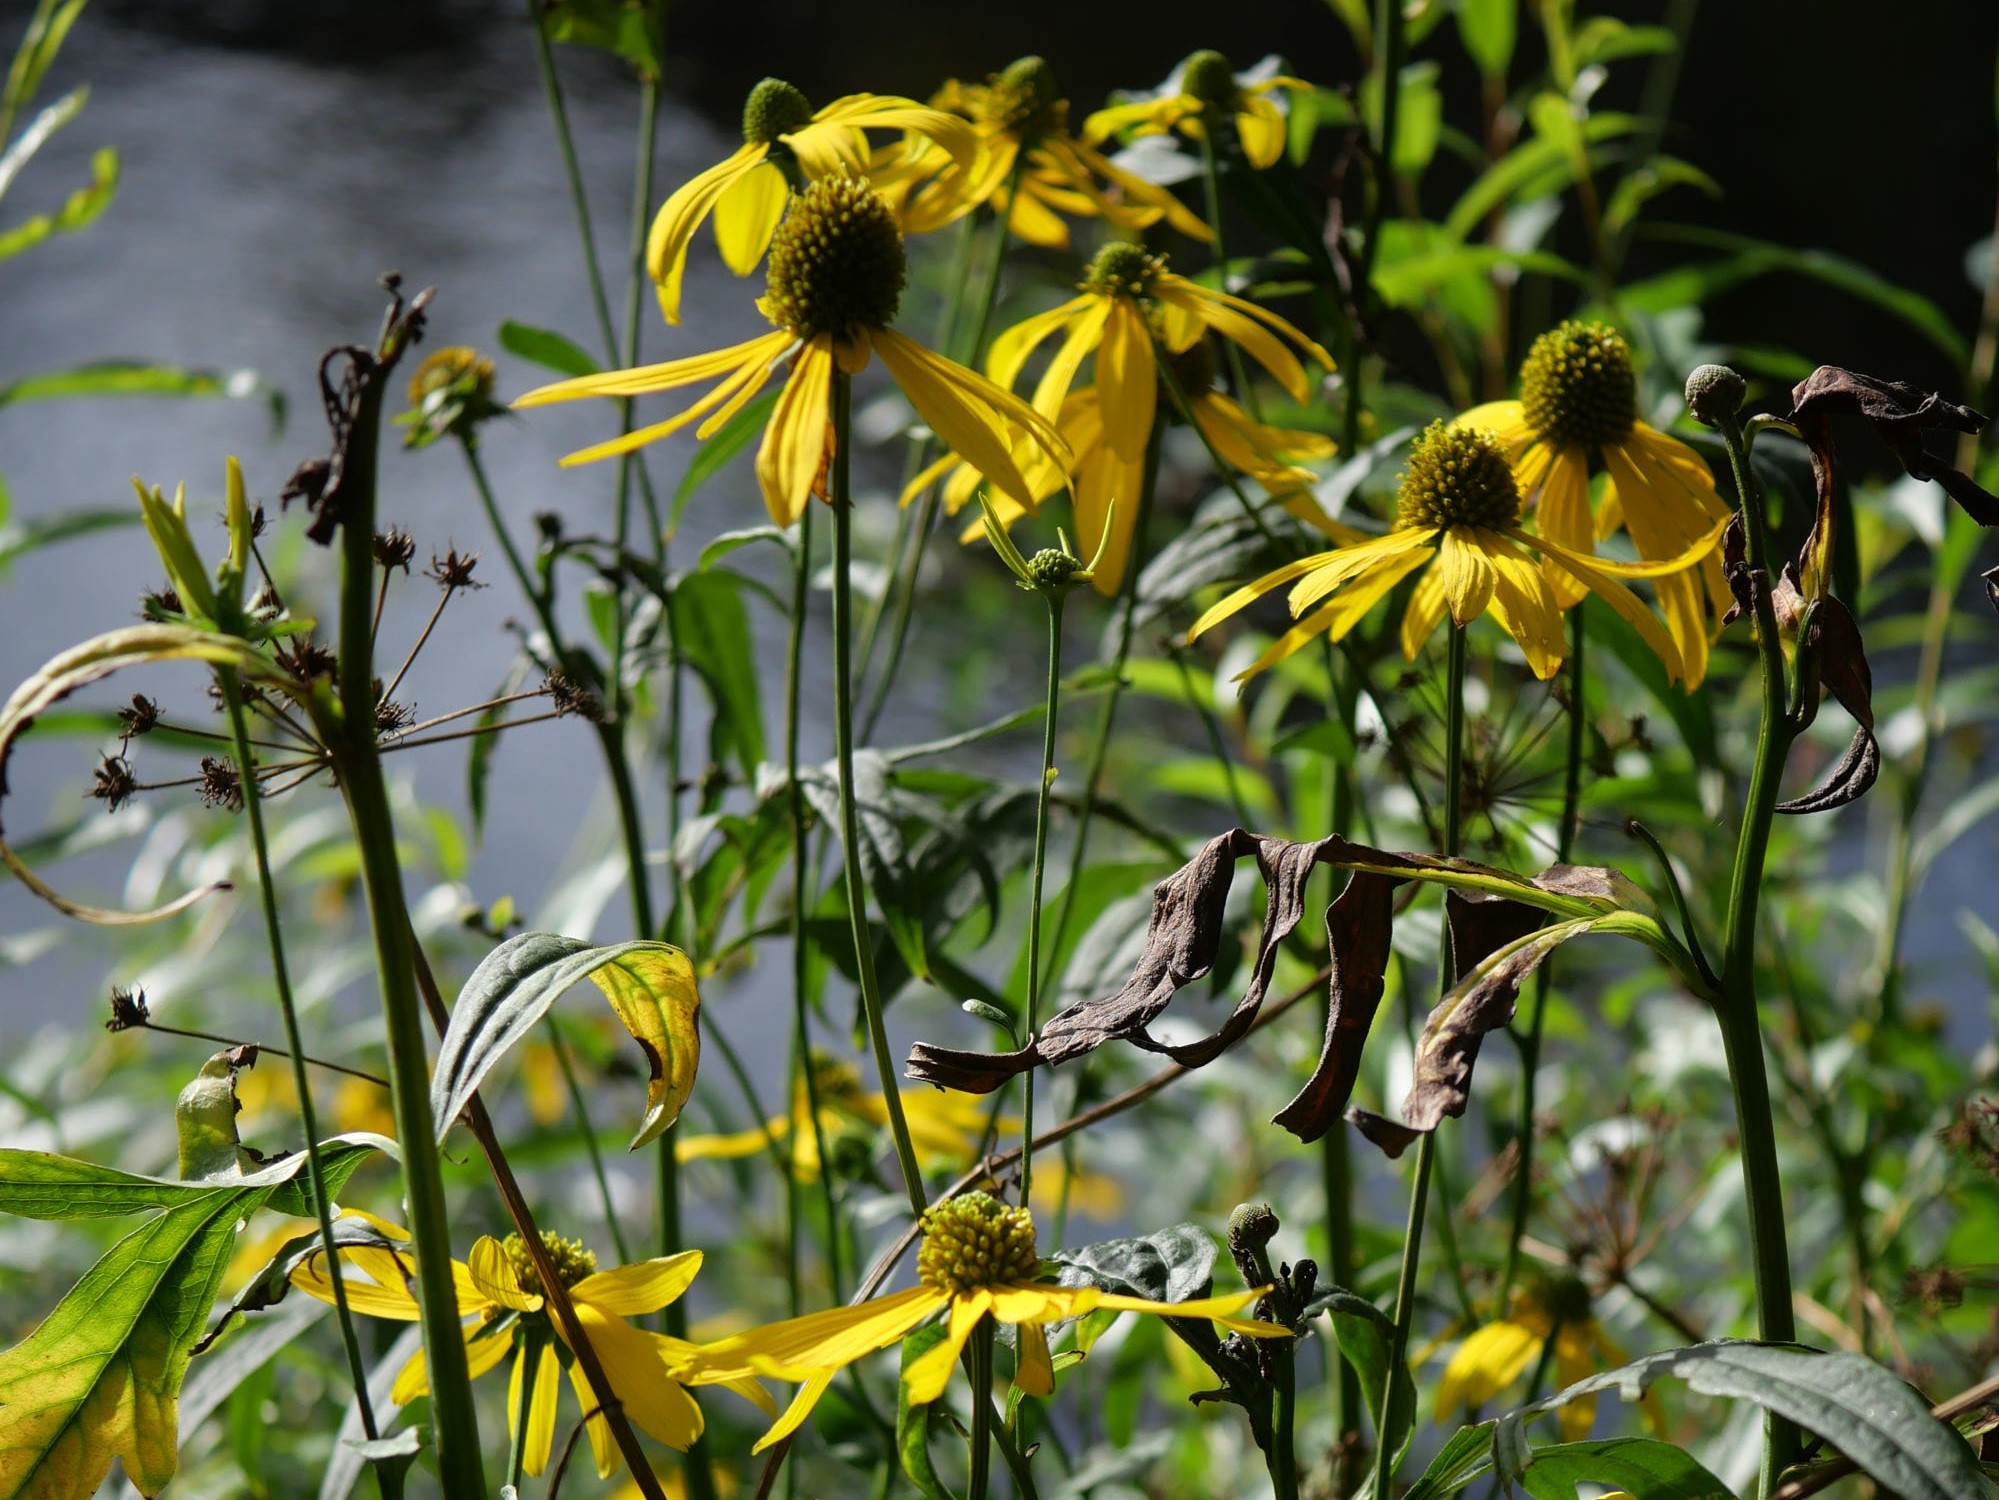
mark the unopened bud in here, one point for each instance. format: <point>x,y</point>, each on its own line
<point>1714,393</point>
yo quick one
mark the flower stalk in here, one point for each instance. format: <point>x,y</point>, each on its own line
<point>1053,598</point>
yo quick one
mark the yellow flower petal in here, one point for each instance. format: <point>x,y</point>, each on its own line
<point>1425,611</point>
<point>1087,331</point>
<point>1033,1371</point>
<point>966,411</point>
<point>642,1288</point>
<point>1250,592</point>
<point>818,1341</point>
<point>493,1274</point>
<point>1338,568</point>
<point>1468,575</point>
<point>1348,608</point>
<point>676,1352</point>
<point>746,216</point>
<point>926,1377</point>
<point>1526,609</point>
<point>1486,1363</point>
<point>732,1147</point>
<point>796,1413</point>
<point>794,444</point>
<point>1012,347</point>
<point>637,1372</point>
<point>1041,1303</point>
<point>1505,420</point>
<point>603,1451</point>
<point>1259,125</point>
<point>674,225</point>
<point>1127,380</point>
<point>483,1351</point>
<point>1564,517</point>
<point>644,380</point>
<point>541,1407</point>
<point>1628,605</point>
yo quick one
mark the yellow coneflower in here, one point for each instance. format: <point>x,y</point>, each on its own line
<point>978,1260</point>
<point>1578,402</point>
<point>746,191</point>
<point>1203,88</point>
<point>1492,1357</point>
<point>1459,509</point>
<point>837,269</point>
<point>500,1292</point>
<point>1023,128</point>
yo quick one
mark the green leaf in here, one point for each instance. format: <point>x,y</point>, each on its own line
<point>78,210</point>
<point>714,454</point>
<point>711,633</point>
<point>624,28</point>
<point>730,541</point>
<point>1365,1335</point>
<point>1639,186</point>
<point>1533,162</point>
<point>650,987</point>
<point>547,348</point>
<point>44,125</point>
<point>1488,30</point>
<point>100,1378</point>
<point>1863,1410</point>
<point>1643,1468</point>
<point>40,1185</point>
<point>1171,1265</point>
<point>1463,1458</point>
<point>912,1423</point>
<point>1744,258</point>
<point>30,536</point>
<point>884,857</point>
<point>39,45</point>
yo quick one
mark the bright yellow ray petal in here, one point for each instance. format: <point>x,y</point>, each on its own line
<point>734,1146</point>
<point>1250,592</point>
<point>1012,347</point>
<point>1564,517</point>
<point>1033,1370</point>
<point>541,1408</point>
<point>729,395</point>
<point>965,410</point>
<point>746,216</point>
<point>1255,340</point>
<point>817,1341</point>
<point>926,1377</point>
<point>1259,125</point>
<point>1084,161</point>
<point>644,380</point>
<point>1041,1303</point>
<point>1526,608</point>
<point>796,1413</point>
<point>1631,608</point>
<point>603,1451</point>
<point>493,1274</point>
<point>642,1288</point>
<point>676,1352</point>
<point>386,1296</point>
<point>1486,1363</point>
<point>653,1401</point>
<point>674,225</point>
<point>1337,569</point>
<point>1086,332</point>
<point>1220,1310</point>
<point>1127,380</point>
<point>1425,611</point>
<point>794,445</point>
<point>1505,420</point>
<point>1468,575</point>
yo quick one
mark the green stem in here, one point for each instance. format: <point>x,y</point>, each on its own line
<point>1284,1468</point>
<point>1389,34</point>
<point>1053,597</point>
<point>980,1359</point>
<point>1335,1160</point>
<point>1530,1044</point>
<point>528,1360</point>
<point>576,1102</point>
<point>1211,184</point>
<point>357,1370</point>
<point>1741,1030</point>
<point>454,1420</point>
<point>1426,1146</point>
<point>840,497</point>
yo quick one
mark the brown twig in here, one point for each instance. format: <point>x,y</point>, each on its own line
<point>557,1294</point>
<point>992,1165</point>
<point>209,1036</point>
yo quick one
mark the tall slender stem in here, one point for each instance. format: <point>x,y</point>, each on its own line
<point>1389,40</point>
<point>1741,1030</point>
<point>839,494</point>
<point>577,1103</point>
<point>1211,184</point>
<point>357,1370</point>
<point>454,1420</point>
<point>979,1350</point>
<point>1336,1161</point>
<point>1530,1044</point>
<point>1047,786</point>
<point>1426,1146</point>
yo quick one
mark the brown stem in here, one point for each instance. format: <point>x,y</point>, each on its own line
<point>560,1306</point>
<point>230,1041</point>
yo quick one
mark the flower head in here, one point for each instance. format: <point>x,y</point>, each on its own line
<point>1135,316</point>
<point>785,140</point>
<point>1578,404</point>
<point>978,1259</point>
<point>1030,169</point>
<point>1458,506</point>
<point>1203,89</point>
<point>1493,1357</point>
<point>450,394</point>
<point>501,1294</point>
<point>835,284</point>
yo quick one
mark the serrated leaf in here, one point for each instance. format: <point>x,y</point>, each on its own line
<point>1863,1410</point>
<point>649,985</point>
<point>100,1378</point>
<point>547,348</point>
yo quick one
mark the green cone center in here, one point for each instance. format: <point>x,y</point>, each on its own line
<point>1578,386</point>
<point>1207,76</point>
<point>774,108</point>
<point>572,1261</point>
<point>974,1240</point>
<point>1122,269</point>
<point>836,262</point>
<point>1457,476</point>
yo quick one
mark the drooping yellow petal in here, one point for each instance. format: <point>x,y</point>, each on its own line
<point>1137,204</point>
<point>1631,608</point>
<point>1033,1370</point>
<point>1259,125</point>
<point>541,1406</point>
<point>1042,1303</point>
<point>734,1146</point>
<point>794,444</point>
<point>644,1287</point>
<point>1505,420</point>
<point>1563,512</point>
<point>1338,568</point>
<point>1468,576</point>
<point>1486,1363</point>
<point>1249,593</point>
<point>926,1377</point>
<point>674,225</point>
<point>385,1295</point>
<point>603,1451</point>
<point>637,1372</point>
<point>676,1352</point>
<point>1127,380</point>
<point>796,1413</point>
<point>1348,608</point>
<point>1425,611</point>
<point>1087,331</point>
<point>1263,335</point>
<point>1013,346</point>
<point>818,1341</point>
<point>746,216</point>
<point>493,1274</point>
<point>968,412</point>
<point>1527,609</point>
<point>1108,488</point>
<point>483,1351</point>
<point>1220,1310</point>
<point>738,387</point>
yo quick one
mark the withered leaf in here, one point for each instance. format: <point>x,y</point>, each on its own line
<point>1481,924</point>
<point>1901,414</point>
<point>1391,1136</point>
<point>1833,641</point>
<point>1358,927</point>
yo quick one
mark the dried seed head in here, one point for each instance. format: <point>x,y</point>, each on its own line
<point>836,262</point>
<point>570,697</point>
<point>141,718</point>
<point>128,1008</point>
<point>1578,385</point>
<point>162,606</point>
<point>113,782</point>
<point>774,108</point>
<point>453,570</point>
<point>1457,476</point>
<point>974,1240</point>
<point>1122,269</point>
<point>572,1262</point>
<point>391,716</point>
<point>393,549</point>
<point>221,785</point>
